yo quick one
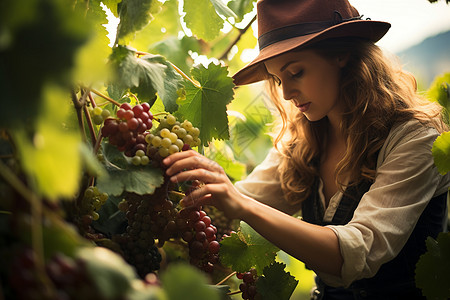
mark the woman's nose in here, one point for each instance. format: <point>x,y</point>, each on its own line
<point>289,91</point>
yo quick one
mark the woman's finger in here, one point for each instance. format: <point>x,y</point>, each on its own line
<point>202,175</point>
<point>190,160</point>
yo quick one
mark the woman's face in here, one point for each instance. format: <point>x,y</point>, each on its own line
<point>310,81</point>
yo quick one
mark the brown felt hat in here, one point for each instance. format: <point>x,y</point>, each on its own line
<point>287,24</point>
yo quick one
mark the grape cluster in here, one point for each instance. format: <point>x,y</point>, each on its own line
<point>127,132</point>
<point>92,201</point>
<point>98,114</point>
<point>171,136</point>
<point>147,218</point>
<point>68,278</point>
<point>200,235</point>
<point>248,285</point>
<point>224,225</point>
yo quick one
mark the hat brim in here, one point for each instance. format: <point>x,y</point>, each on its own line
<point>255,70</point>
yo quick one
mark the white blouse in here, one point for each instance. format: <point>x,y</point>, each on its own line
<point>406,180</point>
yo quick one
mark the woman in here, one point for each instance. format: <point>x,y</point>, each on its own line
<point>353,154</point>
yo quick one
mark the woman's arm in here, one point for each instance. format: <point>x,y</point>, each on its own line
<point>316,246</point>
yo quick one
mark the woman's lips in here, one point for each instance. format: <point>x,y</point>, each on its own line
<point>304,107</point>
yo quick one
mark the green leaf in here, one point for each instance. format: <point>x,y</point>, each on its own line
<point>205,106</point>
<point>51,155</point>
<point>90,161</point>
<point>38,42</point>
<point>183,281</point>
<point>241,7</point>
<point>177,51</point>
<point>125,177</point>
<point>221,153</point>
<point>276,283</point>
<point>439,91</point>
<point>222,9</point>
<point>201,17</point>
<point>172,82</point>
<point>166,24</point>
<point>441,152</point>
<point>110,273</point>
<point>145,76</point>
<point>112,5</point>
<point>247,249</point>
<point>433,268</point>
<point>135,15</point>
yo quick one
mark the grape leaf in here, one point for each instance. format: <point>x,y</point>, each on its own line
<point>205,106</point>
<point>441,152</point>
<point>172,82</point>
<point>247,249</point>
<point>145,76</point>
<point>276,283</point>
<point>48,30</point>
<point>439,91</point>
<point>111,275</point>
<point>135,15</point>
<point>241,7</point>
<point>183,281</point>
<point>51,156</point>
<point>433,268</point>
<point>202,19</point>
<point>222,9</point>
<point>123,176</point>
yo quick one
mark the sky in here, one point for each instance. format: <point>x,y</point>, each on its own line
<point>412,20</point>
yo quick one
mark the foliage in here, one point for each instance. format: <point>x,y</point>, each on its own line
<point>433,268</point>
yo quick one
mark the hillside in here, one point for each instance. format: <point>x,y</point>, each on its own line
<point>428,59</point>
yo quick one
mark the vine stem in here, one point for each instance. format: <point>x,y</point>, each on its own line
<point>105,97</point>
<point>226,278</point>
<point>196,84</point>
<point>79,104</point>
<point>90,125</point>
<point>234,293</point>
<point>241,33</point>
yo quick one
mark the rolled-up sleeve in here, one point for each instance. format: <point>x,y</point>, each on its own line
<point>406,180</point>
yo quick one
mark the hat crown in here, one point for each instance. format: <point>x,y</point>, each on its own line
<point>274,14</point>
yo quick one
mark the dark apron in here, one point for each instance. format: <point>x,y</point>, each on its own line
<point>394,279</point>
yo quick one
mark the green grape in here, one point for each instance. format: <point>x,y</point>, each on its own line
<point>136,160</point>
<point>156,141</point>
<point>95,215</point>
<point>175,128</point>
<point>145,160</point>
<point>164,133</point>
<point>181,133</point>
<point>186,125</point>
<point>89,192</point>
<point>196,142</point>
<point>173,137</point>
<point>98,111</point>
<point>179,143</point>
<point>148,138</point>
<point>195,132</point>
<point>173,149</point>
<point>166,142</point>
<point>97,119</point>
<point>188,139</point>
<point>163,152</point>
<point>106,114</point>
<point>140,153</point>
<point>171,119</point>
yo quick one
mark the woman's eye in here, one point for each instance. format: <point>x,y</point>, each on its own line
<point>298,74</point>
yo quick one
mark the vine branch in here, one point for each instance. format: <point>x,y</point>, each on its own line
<point>226,278</point>
<point>241,33</point>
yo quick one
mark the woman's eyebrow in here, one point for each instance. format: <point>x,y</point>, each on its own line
<point>286,65</point>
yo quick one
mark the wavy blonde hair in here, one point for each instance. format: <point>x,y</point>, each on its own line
<point>376,94</point>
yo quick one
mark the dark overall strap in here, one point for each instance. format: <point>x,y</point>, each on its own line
<point>395,279</point>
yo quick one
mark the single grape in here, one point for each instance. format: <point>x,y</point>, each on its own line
<point>164,152</point>
<point>125,106</point>
<point>164,133</point>
<point>173,137</point>
<point>166,142</point>
<point>173,149</point>
<point>98,111</point>
<point>156,141</point>
<point>171,119</point>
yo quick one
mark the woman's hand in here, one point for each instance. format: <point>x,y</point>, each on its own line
<point>217,189</point>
